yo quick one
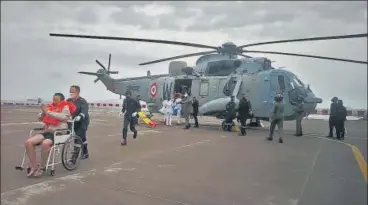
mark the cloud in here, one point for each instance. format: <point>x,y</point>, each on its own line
<point>35,64</point>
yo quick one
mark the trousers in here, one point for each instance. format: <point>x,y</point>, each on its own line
<point>299,130</point>
<point>82,133</point>
<point>280,127</point>
<point>168,118</point>
<point>178,114</point>
<point>131,122</point>
<point>340,129</point>
<point>243,121</point>
<point>331,124</point>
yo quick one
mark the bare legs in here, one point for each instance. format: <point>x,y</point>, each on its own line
<point>30,146</point>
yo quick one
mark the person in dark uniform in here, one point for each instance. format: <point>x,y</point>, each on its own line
<point>243,113</point>
<point>130,108</point>
<point>230,113</point>
<point>195,105</point>
<point>340,120</point>
<point>139,100</point>
<point>81,117</point>
<point>332,118</point>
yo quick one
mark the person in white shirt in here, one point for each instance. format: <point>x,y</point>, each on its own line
<point>178,108</point>
<point>168,111</point>
<point>162,110</point>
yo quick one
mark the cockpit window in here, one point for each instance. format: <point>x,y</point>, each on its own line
<point>281,81</point>
<point>221,68</point>
<point>297,82</point>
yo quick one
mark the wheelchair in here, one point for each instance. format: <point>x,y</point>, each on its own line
<point>65,141</point>
<point>228,123</point>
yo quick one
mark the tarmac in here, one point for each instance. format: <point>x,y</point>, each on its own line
<point>200,166</point>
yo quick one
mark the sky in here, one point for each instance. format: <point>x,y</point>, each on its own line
<point>33,64</point>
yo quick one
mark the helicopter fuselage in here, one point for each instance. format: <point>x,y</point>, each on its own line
<point>213,92</point>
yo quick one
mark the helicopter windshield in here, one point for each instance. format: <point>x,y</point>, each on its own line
<point>220,68</point>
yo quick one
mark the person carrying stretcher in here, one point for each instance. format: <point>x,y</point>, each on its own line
<point>54,116</point>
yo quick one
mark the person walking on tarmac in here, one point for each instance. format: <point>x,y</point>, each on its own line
<point>130,108</point>
<point>81,117</point>
<point>340,120</point>
<point>195,105</point>
<point>243,113</point>
<point>230,113</point>
<point>277,118</point>
<point>187,107</point>
<point>332,118</point>
<point>299,110</point>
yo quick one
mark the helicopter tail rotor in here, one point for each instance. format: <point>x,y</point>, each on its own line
<point>108,67</point>
<point>98,73</point>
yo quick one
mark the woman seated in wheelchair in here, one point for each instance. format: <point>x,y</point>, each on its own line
<point>54,116</point>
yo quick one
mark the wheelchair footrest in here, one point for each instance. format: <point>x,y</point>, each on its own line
<point>19,168</point>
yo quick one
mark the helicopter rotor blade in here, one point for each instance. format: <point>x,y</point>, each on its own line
<point>98,62</point>
<point>308,39</point>
<point>108,67</point>
<point>245,56</point>
<point>87,73</point>
<point>134,39</point>
<point>178,57</point>
<point>97,79</point>
<point>309,56</point>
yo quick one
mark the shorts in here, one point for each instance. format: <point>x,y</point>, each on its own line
<point>49,136</point>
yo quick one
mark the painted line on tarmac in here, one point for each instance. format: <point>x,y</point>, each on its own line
<point>20,123</point>
<point>357,154</point>
<point>143,131</point>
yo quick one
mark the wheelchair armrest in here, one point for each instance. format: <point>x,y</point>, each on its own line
<point>62,130</point>
<point>39,129</point>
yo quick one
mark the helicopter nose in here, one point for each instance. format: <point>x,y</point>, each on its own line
<point>312,99</point>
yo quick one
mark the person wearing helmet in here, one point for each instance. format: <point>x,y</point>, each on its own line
<point>130,108</point>
<point>277,118</point>
<point>340,120</point>
<point>299,111</point>
<point>332,118</point>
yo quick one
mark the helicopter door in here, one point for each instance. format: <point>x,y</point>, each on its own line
<point>200,89</point>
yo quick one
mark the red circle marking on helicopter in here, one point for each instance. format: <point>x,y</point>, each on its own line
<point>153,89</point>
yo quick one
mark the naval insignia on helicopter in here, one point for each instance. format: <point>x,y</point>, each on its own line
<point>153,90</point>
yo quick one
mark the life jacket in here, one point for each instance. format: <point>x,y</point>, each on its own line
<point>48,120</point>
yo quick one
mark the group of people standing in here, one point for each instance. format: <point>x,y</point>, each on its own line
<point>181,104</point>
<point>337,118</point>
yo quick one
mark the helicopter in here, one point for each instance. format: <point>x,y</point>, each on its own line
<point>217,75</point>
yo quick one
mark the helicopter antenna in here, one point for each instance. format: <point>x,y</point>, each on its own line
<point>228,48</point>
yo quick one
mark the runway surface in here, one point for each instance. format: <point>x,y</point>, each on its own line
<point>204,166</point>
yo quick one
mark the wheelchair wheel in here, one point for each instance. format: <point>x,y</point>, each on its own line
<point>223,125</point>
<point>71,153</point>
